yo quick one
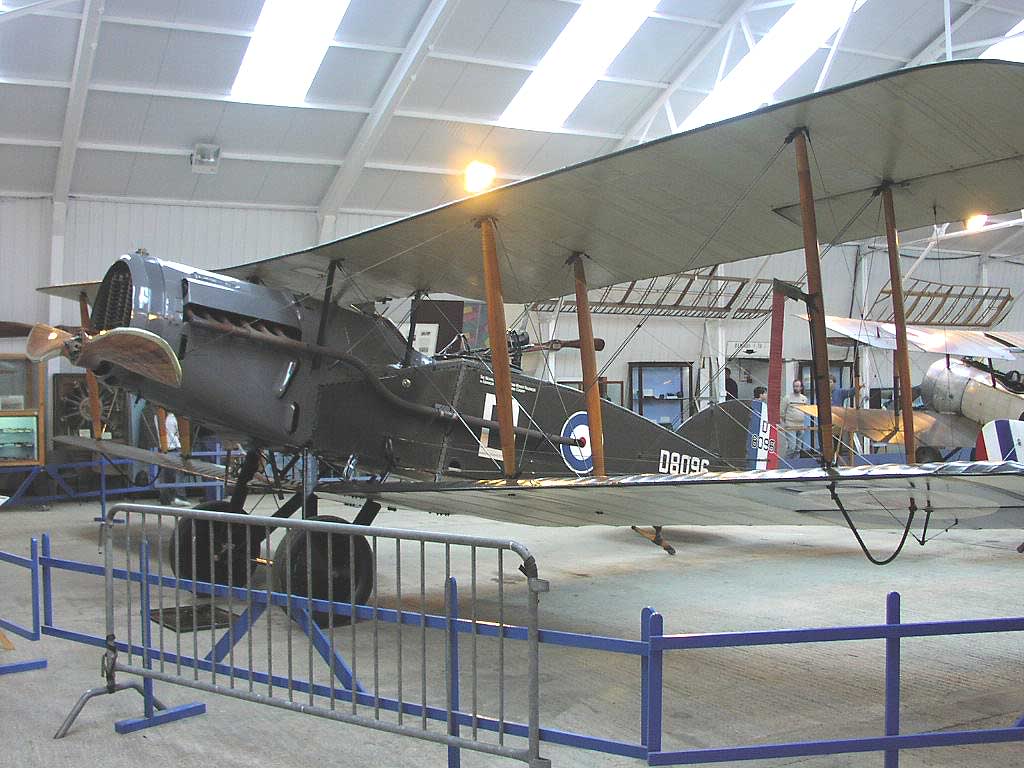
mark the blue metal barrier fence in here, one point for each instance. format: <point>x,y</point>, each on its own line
<point>31,564</point>
<point>650,650</point>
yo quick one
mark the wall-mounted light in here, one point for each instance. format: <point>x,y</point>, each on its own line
<point>205,158</point>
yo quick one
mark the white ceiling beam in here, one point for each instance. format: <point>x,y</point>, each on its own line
<point>823,75</point>
<point>81,73</point>
<point>376,123</point>
<point>634,132</point>
<point>28,10</point>
<point>184,152</point>
<point>930,52</point>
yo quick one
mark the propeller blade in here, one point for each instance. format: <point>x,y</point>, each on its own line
<point>91,384</point>
<point>133,349</point>
<point>95,407</point>
<point>45,342</point>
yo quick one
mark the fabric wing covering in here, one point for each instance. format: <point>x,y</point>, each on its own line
<point>940,341</point>
<point>947,135</point>
<point>975,494</point>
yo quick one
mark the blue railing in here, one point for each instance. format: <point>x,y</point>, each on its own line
<point>31,564</point>
<point>650,649</point>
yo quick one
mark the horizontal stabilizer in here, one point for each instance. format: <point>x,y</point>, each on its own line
<point>941,430</point>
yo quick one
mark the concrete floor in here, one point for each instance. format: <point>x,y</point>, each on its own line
<point>724,578</point>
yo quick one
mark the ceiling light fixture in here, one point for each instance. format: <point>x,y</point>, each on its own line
<point>581,53</point>
<point>976,222</point>
<point>794,38</point>
<point>479,176</point>
<point>286,49</point>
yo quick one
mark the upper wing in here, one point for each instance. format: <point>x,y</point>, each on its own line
<point>991,493</point>
<point>941,341</point>
<point>949,135</point>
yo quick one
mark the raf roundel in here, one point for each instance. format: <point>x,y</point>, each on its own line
<point>577,457</point>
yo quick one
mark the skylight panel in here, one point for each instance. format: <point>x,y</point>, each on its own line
<point>583,51</point>
<point>1010,49</point>
<point>286,50</point>
<point>805,28</point>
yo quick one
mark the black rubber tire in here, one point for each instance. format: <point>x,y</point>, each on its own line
<point>291,553</point>
<point>235,567</point>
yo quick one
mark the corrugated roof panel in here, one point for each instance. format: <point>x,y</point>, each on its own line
<point>348,76</point>
<point>101,173</point>
<point>31,111</point>
<point>290,184</point>
<point>381,22</point>
<point>180,122</point>
<point>656,49</point>
<point>128,55</point>
<point>114,118</point>
<point>194,61</point>
<point>321,134</point>
<point>40,47</point>
<point>27,169</point>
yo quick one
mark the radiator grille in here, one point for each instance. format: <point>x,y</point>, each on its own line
<point>113,307</point>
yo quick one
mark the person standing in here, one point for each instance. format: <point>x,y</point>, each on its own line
<point>793,420</point>
<point>839,395</point>
<point>169,496</point>
<point>732,389</point>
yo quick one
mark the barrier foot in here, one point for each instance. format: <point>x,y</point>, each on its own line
<point>103,690</point>
<point>161,717</point>
<point>22,666</point>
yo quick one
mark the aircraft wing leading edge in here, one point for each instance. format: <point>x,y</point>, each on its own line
<point>978,494</point>
<point>948,135</point>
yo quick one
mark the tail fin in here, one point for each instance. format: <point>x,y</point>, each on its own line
<point>736,435</point>
<point>1001,440</point>
<point>763,442</point>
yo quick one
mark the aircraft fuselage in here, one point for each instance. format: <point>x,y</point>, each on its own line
<point>250,372</point>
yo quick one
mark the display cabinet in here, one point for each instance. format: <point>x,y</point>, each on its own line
<point>22,425</point>
<point>662,392</point>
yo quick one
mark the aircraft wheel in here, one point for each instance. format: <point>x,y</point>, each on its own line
<point>235,563</point>
<point>292,553</point>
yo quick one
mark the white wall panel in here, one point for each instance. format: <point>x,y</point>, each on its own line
<point>210,238</point>
<point>24,258</point>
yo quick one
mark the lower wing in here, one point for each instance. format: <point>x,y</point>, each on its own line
<point>977,494</point>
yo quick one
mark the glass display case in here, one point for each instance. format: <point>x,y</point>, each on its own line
<point>22,433</point>
<point>662,392</point>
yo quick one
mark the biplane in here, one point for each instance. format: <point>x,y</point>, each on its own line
<point>960,393</point>
<point>288,353</point>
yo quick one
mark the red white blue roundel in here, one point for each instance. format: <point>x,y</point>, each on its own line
<point>577,457</point>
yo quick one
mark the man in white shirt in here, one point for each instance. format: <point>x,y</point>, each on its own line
<point>169,496</point>
<point>793,419</point>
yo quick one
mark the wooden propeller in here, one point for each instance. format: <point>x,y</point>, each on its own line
<point>133,349</point>
<point>91,384</point>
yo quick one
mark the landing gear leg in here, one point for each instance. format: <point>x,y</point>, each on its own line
<point>654,535</point>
